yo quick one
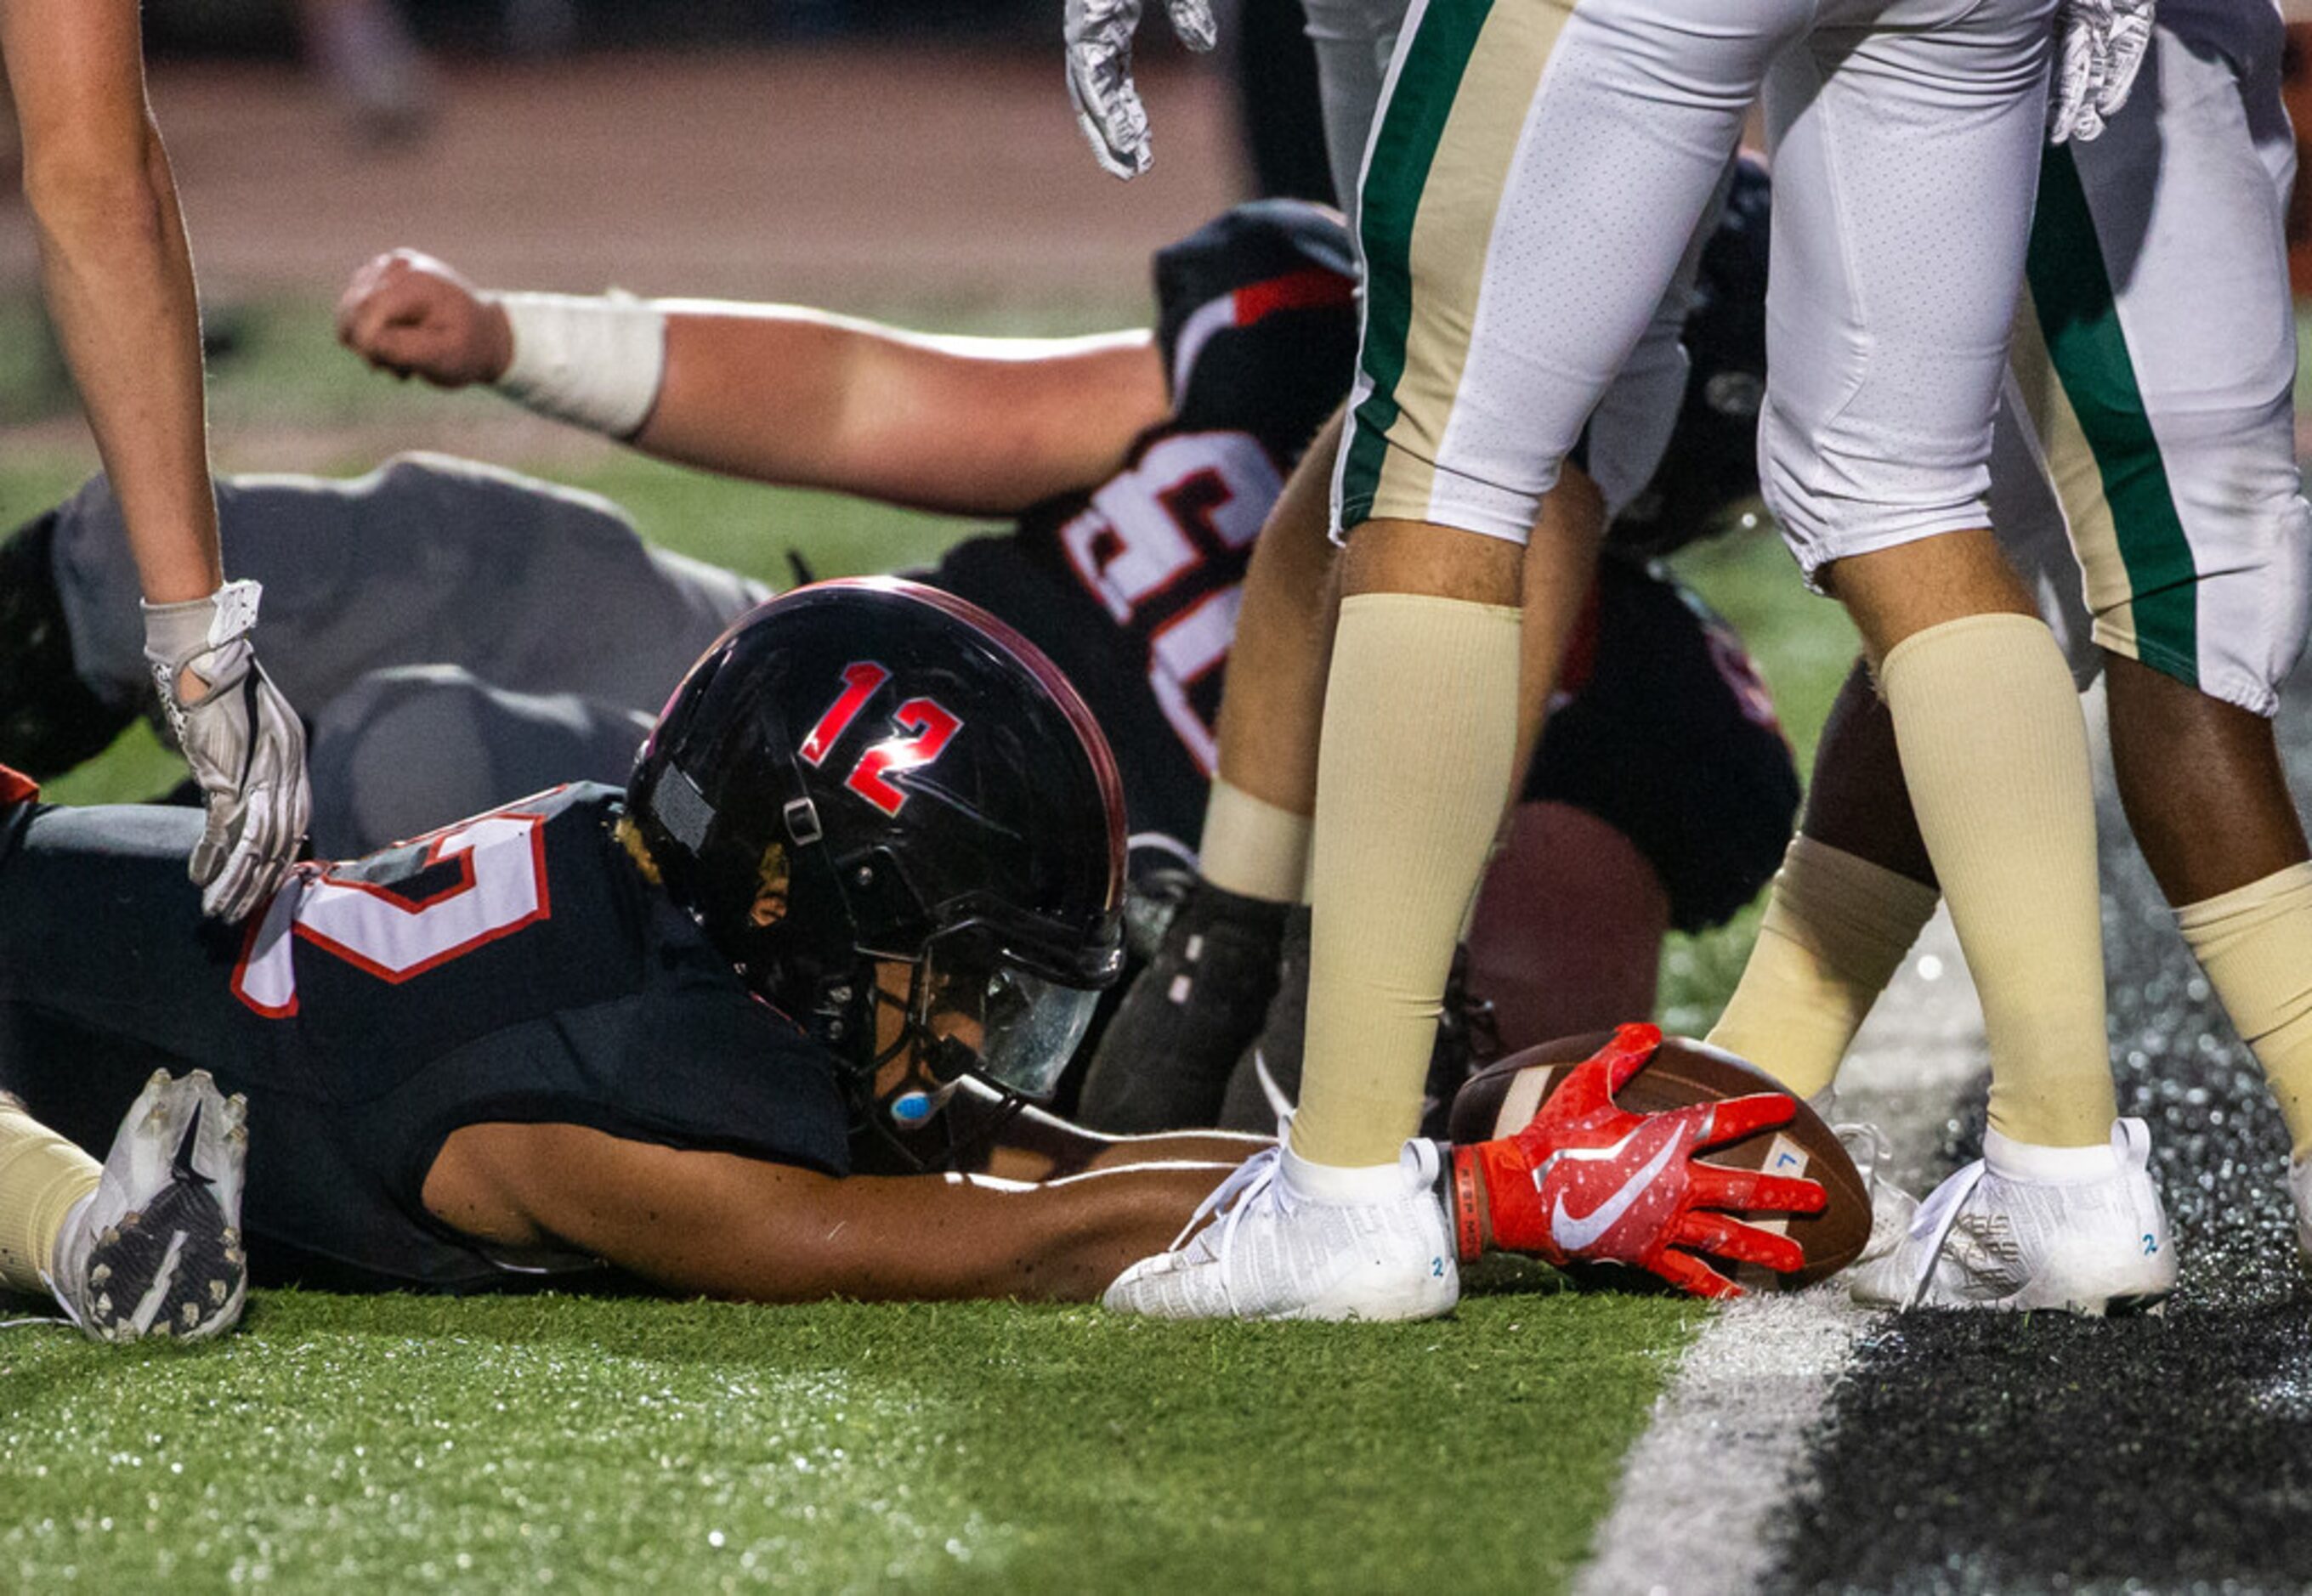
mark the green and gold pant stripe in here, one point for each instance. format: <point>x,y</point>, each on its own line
<point>1433,187</point>
<point>2143,585</point>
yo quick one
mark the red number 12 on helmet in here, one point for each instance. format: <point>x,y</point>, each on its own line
<point>932,723</point>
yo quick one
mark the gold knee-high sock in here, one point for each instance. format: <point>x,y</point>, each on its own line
<point>42,1176</point>
<point>1419,733</point>
<point>2255,944</point>
<point>1252,847</point>
<point>1995,751</point>
<point>1835,930</point>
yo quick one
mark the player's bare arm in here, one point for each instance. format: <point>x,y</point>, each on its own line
<point>803,397</point>
<point>744,1228</point>
<point>118,276</point>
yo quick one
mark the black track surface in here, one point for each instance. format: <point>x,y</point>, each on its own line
<point>1982,1452</point>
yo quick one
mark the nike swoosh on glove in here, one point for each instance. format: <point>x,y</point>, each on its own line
<point>245,745</point>
<point>2099,44</point>
<point>1099,35</point>
<point>1588,1181</point>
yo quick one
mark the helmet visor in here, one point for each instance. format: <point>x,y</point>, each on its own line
<point>1021,1028</point>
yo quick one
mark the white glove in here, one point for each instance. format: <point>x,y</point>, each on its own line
<point>244,742</point>
<point>1098,34</point>
<point>2099,44</point>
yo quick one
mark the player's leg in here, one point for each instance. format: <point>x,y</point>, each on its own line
<point>403,751</point>
<point>1453,439</point>
<point>1231,972</point>
<point>1854,888</point>
<point>1226,977</point>
<point>427,560</point>
<point>1662,795</point>
<point>1874,459</point>
<point>1855,885</point>
<point>148,1241</point>
<point>2062,1212</point>
<point>1164,1061</point>
<point>2160,359</point>
<point>1457,430</point>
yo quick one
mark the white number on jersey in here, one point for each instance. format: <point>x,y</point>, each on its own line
<point>1148,529</point>
<point>501,888</point>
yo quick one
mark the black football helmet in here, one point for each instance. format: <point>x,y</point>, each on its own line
<point>868,772</point>
<point>1711,464</point>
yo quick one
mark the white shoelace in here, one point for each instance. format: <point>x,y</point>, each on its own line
<point>1934,1219</point>
<point>1255,1180</point>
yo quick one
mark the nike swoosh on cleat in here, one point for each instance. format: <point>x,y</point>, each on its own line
<point>181,1167</point>
<point>1573,1233</point>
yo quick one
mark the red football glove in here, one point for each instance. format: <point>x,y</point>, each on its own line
<point>1591,1181</point>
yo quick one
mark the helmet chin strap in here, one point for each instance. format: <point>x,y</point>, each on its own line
<point>901,1119</point>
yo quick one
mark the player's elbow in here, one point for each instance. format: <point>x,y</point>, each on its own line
<point>96,189</point>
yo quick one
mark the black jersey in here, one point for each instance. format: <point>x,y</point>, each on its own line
<point>1132,587</point>
<point>514,967</point>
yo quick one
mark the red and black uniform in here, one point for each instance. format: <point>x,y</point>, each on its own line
<point>515,967</point>
<point>1133,586</point>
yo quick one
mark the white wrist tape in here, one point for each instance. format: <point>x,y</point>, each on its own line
<point>593,359</point>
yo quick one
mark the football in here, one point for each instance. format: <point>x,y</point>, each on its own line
<point>1498,1101</point>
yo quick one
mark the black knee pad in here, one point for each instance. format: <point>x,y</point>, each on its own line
<point>49,720</point>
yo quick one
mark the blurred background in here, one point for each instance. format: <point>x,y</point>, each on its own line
<point>908,158</point>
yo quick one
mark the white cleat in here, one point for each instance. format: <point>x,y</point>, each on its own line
<point>157,1251</point>
<point>1278,1251</point>
<point>2079,1229</point>
<point>1891,1206</point>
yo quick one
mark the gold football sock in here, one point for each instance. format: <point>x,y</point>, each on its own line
<point>1995,751</point>
<point>1420,732</point>
<point>1835,930</point>
<point>2255,944</point>
<point>1252,847</point>
<point>42,1178</point>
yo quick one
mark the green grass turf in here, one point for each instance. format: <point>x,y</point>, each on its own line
<point>550,1441</point>
<point>592,1444</point>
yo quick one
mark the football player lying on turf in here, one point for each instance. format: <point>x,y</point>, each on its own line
<point>874,846</point>
<point>508,634</point>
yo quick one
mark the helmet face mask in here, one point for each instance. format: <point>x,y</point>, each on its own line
<point>977,1009</point>
<point>861,775</point>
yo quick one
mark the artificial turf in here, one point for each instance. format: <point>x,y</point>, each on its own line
<point>554,1442</point>
<point>595,1445</point>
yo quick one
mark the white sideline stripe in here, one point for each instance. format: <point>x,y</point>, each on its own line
<point>1703,1489</point>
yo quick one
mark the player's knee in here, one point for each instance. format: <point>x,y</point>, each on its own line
<point>399,754</point>
<point>1833,507</point>
<point>2234,627</point>
<point>2277,589</point>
